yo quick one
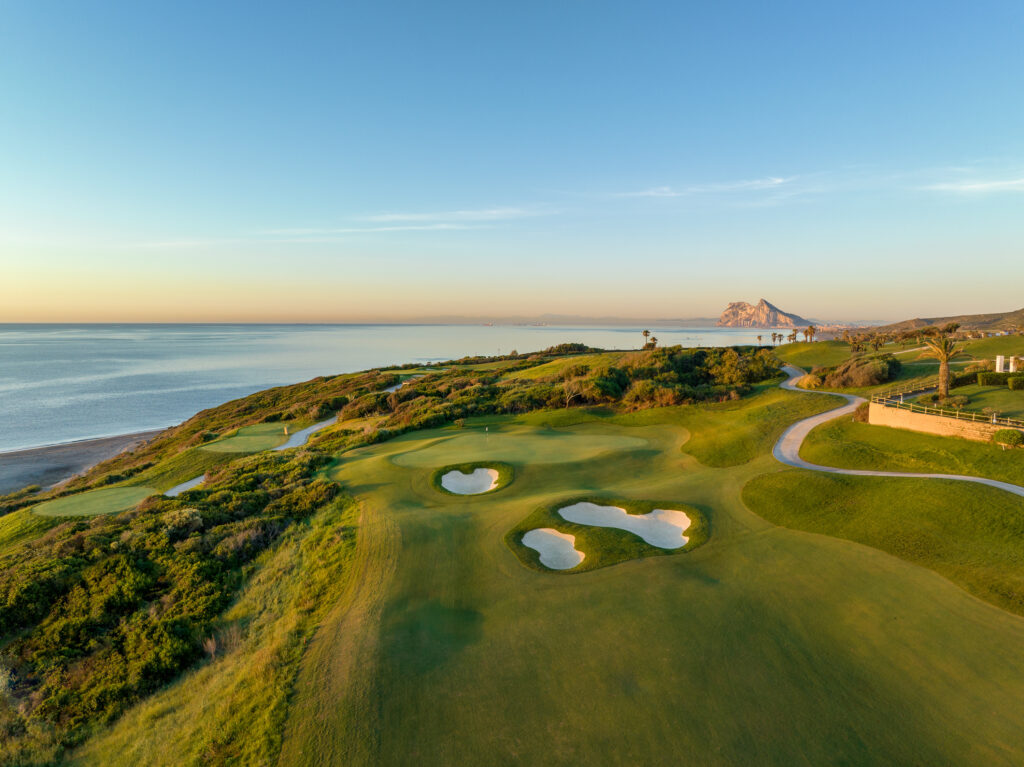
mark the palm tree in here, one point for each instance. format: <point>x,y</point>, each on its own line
<point>646,333</point>
<point>759,341</point>
<point>811,332</point>
<point>792,337</point>
<point>654,342</point>
<point>942,349</point>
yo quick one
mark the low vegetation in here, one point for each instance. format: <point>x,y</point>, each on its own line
<point>856,372</point>
<point>328,605</point>
<point>850,445</point>
<point>103,612</point>
<point>968,533</point>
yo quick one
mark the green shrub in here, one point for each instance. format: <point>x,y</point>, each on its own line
<point>1008,438</point>
<point>863,371</point>
<point>1016,383</point>
<point>963,379</point>
<point>993,379</point>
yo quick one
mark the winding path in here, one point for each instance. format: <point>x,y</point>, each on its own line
<point>787,449</point>
<point>298,439</point>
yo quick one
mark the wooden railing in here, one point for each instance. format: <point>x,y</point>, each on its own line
<point>960,415</point>
<point>911,387</point>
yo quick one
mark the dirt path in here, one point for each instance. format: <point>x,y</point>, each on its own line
<point>787,449</point>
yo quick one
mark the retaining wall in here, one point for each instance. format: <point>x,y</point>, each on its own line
<point>881,415</point>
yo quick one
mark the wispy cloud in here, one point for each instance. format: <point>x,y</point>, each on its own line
<point>312,232</point>
<point>455,216</point>
<point>970,186</point>
<point>770,183</point>
<point>658,191</point>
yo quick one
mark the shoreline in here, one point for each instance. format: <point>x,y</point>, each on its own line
<point>50,465</point>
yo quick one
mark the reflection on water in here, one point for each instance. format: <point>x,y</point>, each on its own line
<point>66,382</point>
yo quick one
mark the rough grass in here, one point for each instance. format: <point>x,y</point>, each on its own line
<point>603,546</point>
<point>990,348</point>
<point>850,445</point>
<point>973,535</point>
<point>233,710</point>
<point>107,500</point>
<point>181,468</point>
<point>20,526</point>
<point>435,646</point>
<point>506,474</point>
<point>460,655</point>
<point>808,355</point>
<point>253,439</point>
<point>559,366</point>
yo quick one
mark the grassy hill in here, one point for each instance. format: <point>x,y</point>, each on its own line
<point>990,322</point>
<point>331,606</point>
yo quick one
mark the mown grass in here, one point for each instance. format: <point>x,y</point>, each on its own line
<point>506,474</point>
<point>602,546</point>
<point>234,709</point>
<point>813,354</point>
<point>850,445</point>
<point>253,439</point>
<point>971,534</point>
<point>722,434</point>
<point>734,433</point>
<point>434,645</point>
<point>461,655</point>
<point>1007,402</point>
<point>107,500</point>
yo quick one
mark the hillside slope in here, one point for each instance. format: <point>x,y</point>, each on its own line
<point>740,314</point>
<point>991,322</point>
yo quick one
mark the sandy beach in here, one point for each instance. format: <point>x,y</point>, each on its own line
<point>47,466</point>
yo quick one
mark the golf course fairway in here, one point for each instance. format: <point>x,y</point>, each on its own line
<point>764,646</point>
<point>108,500</point>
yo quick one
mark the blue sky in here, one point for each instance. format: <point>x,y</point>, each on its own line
<point>338,161</point>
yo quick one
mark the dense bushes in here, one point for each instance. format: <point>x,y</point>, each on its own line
<point>106,610</point>
<point>993,379</point>
<point>99,612</point>
<point>652,378</point>
<point>860,371</point>
<point>1008,438</point>
<point>1016,383</point>
<point>963,379</point>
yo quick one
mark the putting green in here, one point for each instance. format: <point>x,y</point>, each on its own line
<point>764,646</point>
<point>108,500</point>
<point>253,439</point>
<point>512,443</point>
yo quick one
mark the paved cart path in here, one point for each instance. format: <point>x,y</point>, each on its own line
<point>787,449</point>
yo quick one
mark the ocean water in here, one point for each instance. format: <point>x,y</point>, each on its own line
<point>61,383</point>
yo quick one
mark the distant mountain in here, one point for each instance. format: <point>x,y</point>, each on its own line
<point>989,322</point>
<point>740,314</point>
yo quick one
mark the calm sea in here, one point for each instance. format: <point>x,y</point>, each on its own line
<point>60,383</point>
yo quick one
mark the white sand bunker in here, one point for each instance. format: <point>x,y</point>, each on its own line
<point>478,481</point>
<point>663,528</point>
<point>557,550</point>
